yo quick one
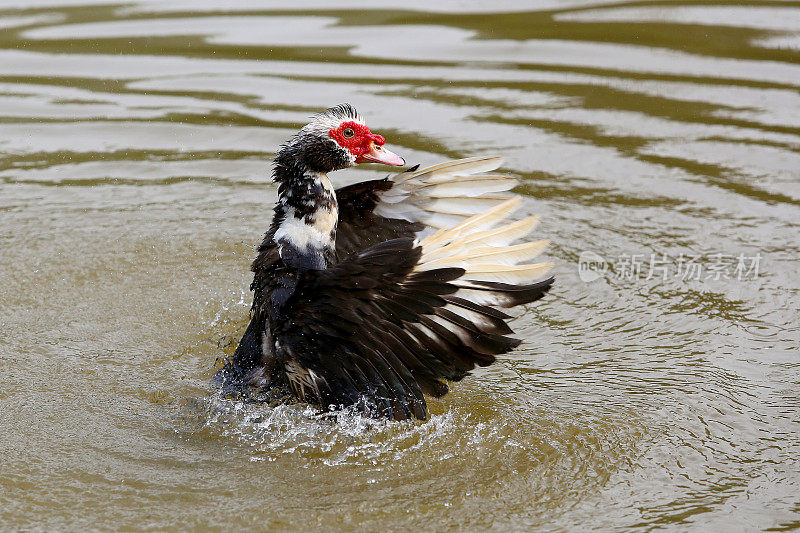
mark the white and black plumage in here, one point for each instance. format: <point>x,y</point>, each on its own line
<point>376,293</point>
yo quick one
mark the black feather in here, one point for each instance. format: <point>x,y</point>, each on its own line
<point>355,324</point>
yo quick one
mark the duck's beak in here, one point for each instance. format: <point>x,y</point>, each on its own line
<point>379,154</point>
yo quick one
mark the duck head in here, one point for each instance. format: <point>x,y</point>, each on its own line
<point>337,139</point>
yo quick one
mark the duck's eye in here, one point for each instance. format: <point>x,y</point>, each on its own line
<point>348,133</point>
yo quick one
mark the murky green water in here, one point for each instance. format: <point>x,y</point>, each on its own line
<point>135,147</point>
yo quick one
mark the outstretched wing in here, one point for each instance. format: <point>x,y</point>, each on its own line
<point>390,323</point>
<point>414,201</point>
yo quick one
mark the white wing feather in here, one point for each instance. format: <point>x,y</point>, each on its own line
<point>483,246</point>
<point>444,195</point>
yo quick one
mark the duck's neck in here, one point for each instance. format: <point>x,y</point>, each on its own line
<point>305,217</point>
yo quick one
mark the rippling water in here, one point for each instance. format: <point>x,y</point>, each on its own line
<point>135,148</point>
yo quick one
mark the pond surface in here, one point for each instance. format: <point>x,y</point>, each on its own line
<point>135,149</point>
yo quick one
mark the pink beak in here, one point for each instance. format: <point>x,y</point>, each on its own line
<point>379,154</point>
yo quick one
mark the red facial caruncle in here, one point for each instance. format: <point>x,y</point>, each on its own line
<point>362,143</point>
<point>355,137</point>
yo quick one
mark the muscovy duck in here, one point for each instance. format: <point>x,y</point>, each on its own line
<point>374,294</point>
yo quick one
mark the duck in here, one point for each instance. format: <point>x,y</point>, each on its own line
<point>378,294</point>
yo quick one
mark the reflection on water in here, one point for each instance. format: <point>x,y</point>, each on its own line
<point>135,142</point>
